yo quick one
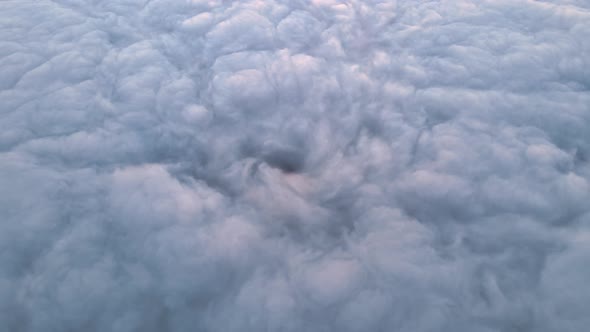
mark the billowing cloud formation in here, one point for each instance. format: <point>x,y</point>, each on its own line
<point>173,165</point>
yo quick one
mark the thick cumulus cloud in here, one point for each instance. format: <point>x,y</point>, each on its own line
<point>313,165</point>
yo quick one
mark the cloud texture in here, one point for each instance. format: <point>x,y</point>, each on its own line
<point>312,165</point>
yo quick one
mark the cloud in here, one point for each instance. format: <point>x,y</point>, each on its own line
<point>294,165</point>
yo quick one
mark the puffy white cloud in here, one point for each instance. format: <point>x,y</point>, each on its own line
<point>174,165</point>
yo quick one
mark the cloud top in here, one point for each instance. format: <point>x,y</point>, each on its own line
<point>173,165</point>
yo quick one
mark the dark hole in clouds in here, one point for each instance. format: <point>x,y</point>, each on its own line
<point>287,160</point>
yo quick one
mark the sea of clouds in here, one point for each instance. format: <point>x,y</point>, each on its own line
<point>294,165</point>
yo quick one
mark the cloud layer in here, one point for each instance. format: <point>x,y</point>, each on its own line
<point>314,165</point>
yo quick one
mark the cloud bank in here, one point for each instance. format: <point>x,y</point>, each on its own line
<point>313,165</point>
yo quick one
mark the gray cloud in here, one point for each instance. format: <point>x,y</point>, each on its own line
<point>294,165</point>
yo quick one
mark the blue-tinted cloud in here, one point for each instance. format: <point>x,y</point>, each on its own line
<point>320,165</point>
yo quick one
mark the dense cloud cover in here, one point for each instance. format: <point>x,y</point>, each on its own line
<point>310,165</point>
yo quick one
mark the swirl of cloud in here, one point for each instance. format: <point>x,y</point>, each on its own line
<point>317,165</point>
